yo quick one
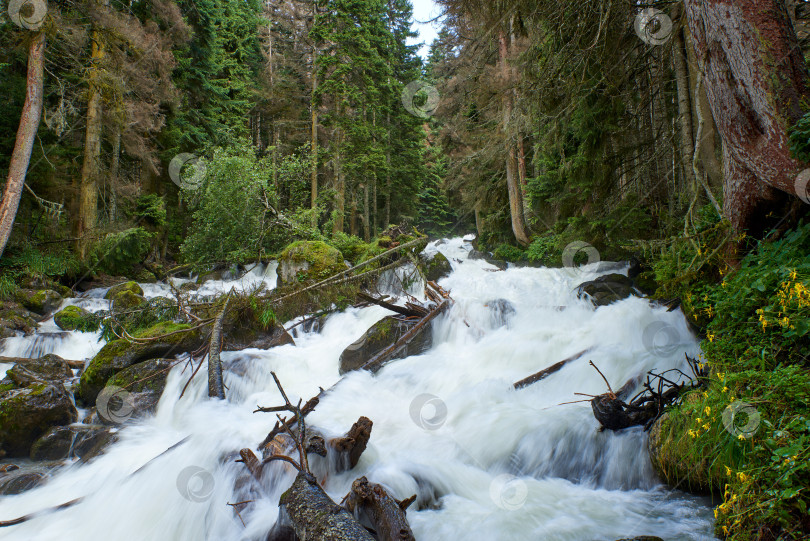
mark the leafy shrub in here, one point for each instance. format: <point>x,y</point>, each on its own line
<point>118,253</point>
<point>507,252</point>
<point>350,246</point>
<point>229,218</point>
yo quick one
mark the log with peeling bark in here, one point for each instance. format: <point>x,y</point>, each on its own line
<point>216,388</point>
<point>534,378</point>
<point>314,515</point>
<point>352,445</point>
<point>386,514</point>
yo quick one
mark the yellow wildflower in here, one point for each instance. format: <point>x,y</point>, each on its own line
<point>742,477</point>
<point>793,274</point>
<point>707,409</point>
<point>728,471</point>
<point>710,336</point>
<point>741,437</point>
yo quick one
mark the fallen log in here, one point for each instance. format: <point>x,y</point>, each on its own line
<point>386,514</point>
<point>406,311</point>
<point>352,445</point>
<point>314,515</point>
<point>534,378</point>
<point>215,386</point>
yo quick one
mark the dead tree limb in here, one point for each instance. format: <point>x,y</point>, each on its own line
<point>352,445</point>
<point>215,385</point>
<point>252,463</point>
<point>386,514</point>
<point>405,311</point>
<point>534,378</point>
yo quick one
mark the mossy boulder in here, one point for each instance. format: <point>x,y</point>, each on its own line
<point>28,412</point>
<point>14,317</point>
<point>132,287</point>
<point>309,261</point>
<point>171,339</point>
<point>83,442</point>
<point>381,335</point>
<point>50,368</point>
<point>607,289</point>
<point>672,449</point>
<point>41,301</point>
<point>144,382</point>
<point>436,267</point>
<point>74,318</point>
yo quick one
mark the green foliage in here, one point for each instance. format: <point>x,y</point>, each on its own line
<point>800,138</point>
<point>507,252</point>
<point>118,253</point>
<point>757,343</point>
<point>151,209</point>
<point>229,218</point>
<point>544,249</point>
<point>350,246</point>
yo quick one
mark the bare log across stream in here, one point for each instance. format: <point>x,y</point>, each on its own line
<point>216,388</point>
<point>386,514</point>
<point>534,378</point>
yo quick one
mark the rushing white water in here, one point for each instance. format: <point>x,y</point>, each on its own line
<point>499,463</point>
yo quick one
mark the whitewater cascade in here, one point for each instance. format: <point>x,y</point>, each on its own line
<point>498,463</point>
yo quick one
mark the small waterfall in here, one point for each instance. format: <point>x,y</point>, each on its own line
<point>487,462</point>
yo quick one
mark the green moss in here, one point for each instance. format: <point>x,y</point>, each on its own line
<point>165,327</point>
<point>324,260</point>
<point>73,318</point>
<point>6,387</point>
<point>132,287</point>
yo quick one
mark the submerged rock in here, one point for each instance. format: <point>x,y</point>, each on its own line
<point>309,260</point>
<point>20,480</point>
<point>74,318</point>
<point>436,267</point>
<point>380,336</point>
<point>60,442</point>
<point>607,289</point>
<point>501,312</point>
<point>28,412</point>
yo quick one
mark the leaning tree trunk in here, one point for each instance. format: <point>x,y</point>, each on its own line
<point>21,155</point>
<point>755,79</point>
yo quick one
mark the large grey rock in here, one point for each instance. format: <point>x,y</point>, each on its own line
<point>607,289</point>
<point>436,267</point>
<point>381,335</point>
<point>62,442</point>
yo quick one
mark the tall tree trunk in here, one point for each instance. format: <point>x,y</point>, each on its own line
<point>340,200</point>
<point>687,139</point>
<point>366,214</point>
<point>755,79</point>
<point>114,169</point>
<point>512,180</point>
<point>88,191</point>
<point>24,144</point>
<point>314,131</point>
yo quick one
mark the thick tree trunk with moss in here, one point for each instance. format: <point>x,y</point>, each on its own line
<point>88,190</point>
<point>755,79</point>
<point>21,155</point>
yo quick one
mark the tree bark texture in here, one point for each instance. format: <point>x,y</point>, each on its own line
<point>24,144</point>
<point>755,79</point>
